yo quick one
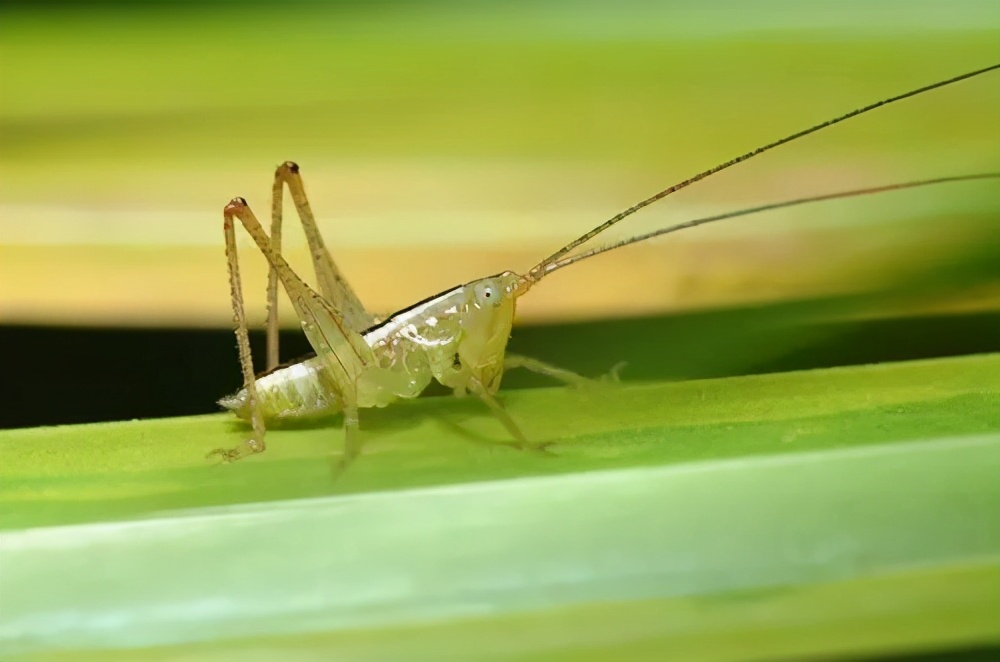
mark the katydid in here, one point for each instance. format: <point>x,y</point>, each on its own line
<point>457,337</point>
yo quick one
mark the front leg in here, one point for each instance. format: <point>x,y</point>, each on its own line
<point>506,419</point>
<point>560,374</point>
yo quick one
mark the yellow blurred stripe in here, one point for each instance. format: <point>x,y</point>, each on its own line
<point>187,286</point>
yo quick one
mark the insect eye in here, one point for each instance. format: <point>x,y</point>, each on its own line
<point>487,294</point>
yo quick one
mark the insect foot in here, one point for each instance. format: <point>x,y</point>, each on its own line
<point>339,464</point>
<point>542,447</point>
<point>614,375</point>
<point>247,448</point>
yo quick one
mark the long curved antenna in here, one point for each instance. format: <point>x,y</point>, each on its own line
<point>539,269</point>
<point>565,262</point>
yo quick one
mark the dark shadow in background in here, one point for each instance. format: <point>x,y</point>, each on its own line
<point>971,654</point>
<point>67,375</point>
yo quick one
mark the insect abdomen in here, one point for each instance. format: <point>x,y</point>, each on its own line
<point>294,391</point>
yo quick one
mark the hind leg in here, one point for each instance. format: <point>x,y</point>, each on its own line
<point>331,282</point>
<point>255,444</point>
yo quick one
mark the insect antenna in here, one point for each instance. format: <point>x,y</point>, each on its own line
<point>542,268</point>
<point>566,261</point>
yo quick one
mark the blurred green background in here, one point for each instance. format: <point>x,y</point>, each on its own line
<point>443,140</point>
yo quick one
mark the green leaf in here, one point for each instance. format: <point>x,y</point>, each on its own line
<point>850,510</point>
